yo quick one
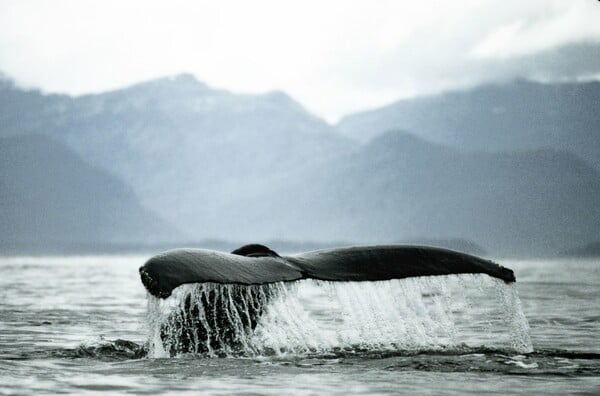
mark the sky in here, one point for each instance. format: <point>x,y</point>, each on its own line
<point>335,57</point>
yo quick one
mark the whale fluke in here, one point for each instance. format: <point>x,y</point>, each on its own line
<point>257,264</point>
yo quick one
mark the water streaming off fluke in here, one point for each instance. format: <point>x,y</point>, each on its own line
<point>308,316</point>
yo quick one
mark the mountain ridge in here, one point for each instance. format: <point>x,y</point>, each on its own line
<point>495,117</point>
<point>210,145</point>
<point>50,195</point>
<point>258,167</point>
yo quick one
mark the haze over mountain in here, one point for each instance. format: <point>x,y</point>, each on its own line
<point>402,188</point>
<point>187,150</point>
<point>51,197</point>
<point>521,115</point>
<point>259,167</point>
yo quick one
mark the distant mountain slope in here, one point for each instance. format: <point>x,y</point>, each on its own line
<point>589,250</point>
<point>402,188</point>
<point>186,149</point>
<point>27,111</point>
<point>50,197</point>
<point>518,116</point>
<point>259,168</point>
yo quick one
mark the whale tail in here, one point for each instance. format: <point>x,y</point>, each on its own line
<point>232,290</point>
<point>258,264</point>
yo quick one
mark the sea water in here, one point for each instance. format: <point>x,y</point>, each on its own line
<point>86,325</point>
<point>317,317</point>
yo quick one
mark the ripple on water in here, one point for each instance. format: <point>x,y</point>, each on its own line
<point>55,339</point>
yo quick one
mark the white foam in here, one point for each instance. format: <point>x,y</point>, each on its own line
<point>426,313</point>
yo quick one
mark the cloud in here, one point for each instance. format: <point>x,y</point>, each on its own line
<point>575,25</point>
<point>335,56</point>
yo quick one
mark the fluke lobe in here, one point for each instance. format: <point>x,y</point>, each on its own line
<point>257,264</point>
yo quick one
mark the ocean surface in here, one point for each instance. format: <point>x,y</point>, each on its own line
<point>85,325</point>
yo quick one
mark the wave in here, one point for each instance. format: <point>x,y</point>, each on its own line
<point>104,350</point>
<point>460,358</point>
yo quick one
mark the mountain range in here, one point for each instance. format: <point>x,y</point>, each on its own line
<point>50,197</point>
<point>516,116</point>
<point>512,168</point>
<point>400,188</point>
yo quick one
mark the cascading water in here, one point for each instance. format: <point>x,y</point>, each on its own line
<point>308,316</point>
